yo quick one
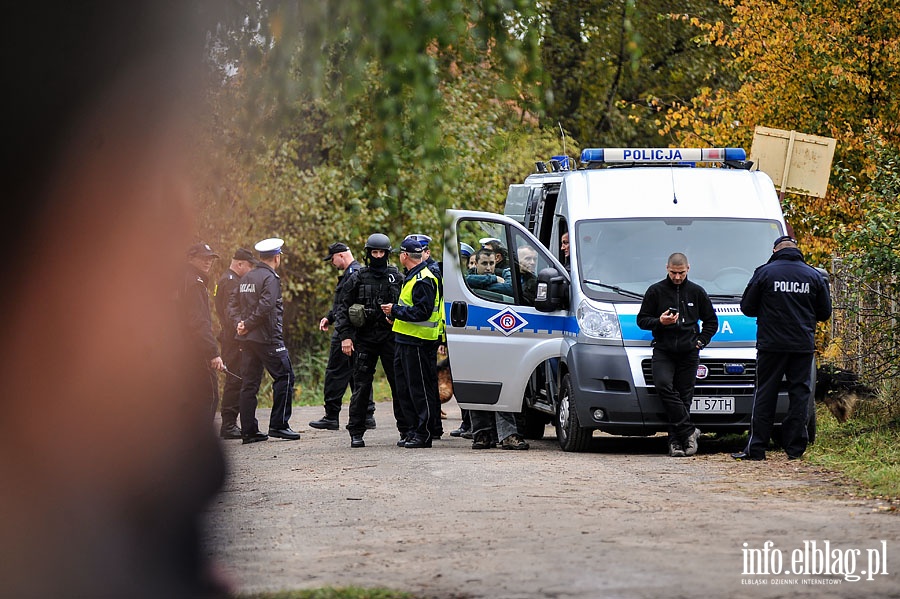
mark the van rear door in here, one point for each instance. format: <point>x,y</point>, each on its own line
<point>495,335</point>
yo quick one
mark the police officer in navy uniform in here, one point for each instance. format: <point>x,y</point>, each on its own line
<point>260,330</point>
<point>437,428</point>
<point>339,371</point>
<point>241,263</point>
<point>787,297</point>
<point>365,332</point>
<point>416,316</point>
<point>193,301</point>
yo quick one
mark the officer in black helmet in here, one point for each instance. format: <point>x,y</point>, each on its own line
<point>366,333</point>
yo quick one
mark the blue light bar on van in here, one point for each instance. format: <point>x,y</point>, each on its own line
<point>565,163</point>
<point>631,155</point>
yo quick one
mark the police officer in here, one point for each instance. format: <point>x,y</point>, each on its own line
<point>672,310</point>
<point>339,371</point>
<point>197,323</point>
<point>365,332</point>
<point>241,263</point>
<point>787,297</point>
<point>439,344</point>
<point>260,329</point>
<point>417,318</point>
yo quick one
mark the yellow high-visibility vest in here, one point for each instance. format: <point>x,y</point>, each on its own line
<point>423,329</point>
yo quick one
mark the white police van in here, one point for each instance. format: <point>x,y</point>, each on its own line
<point>566,347</point>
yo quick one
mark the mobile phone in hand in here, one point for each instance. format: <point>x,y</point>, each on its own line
<point>672,311</point>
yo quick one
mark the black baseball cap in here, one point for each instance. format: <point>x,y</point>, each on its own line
<point>782,239</point>
<point>201,250</point>
<point>336,248</point>
<point>243,254</point>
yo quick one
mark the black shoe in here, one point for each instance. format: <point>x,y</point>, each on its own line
<point>284,433</point>
<point>459,431</point>
<point>326,423</point>
<point>414,443</point>
<point>254,437</point>
<point>230,432</point>
<point>743,455</point>
<point>403,440</point>
<point>370,422</point>
<point>357,441</point>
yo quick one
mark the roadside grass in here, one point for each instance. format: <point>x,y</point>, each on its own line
<point>866,448</point>
<point>332,593</point>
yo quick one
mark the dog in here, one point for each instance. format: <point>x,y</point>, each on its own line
<point>840,390</point>
<point>445,380</point>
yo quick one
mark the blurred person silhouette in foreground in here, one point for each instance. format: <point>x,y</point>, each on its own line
<point>108,459</point>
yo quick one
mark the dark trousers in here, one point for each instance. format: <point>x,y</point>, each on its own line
<point>204,385</point>
<point>231,392</point>
<point>276,361</point>
<point>365,359</point>
<point>771,367</point>
<point>674,375</point>
<point>415,394</point>
<point>338,375</point>
<point>482,421</point>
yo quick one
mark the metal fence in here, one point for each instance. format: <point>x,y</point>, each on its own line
<point>865,325</point>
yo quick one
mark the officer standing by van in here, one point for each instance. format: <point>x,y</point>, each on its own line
<point>672,309</point>
<point>366,334</point>
<point>339,370</point>
<point>241,263</point>
<point>417,318</point>
<point>261,330</point>
<point>787,297</point>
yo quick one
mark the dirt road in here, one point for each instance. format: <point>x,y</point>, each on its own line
<point>623,520</point>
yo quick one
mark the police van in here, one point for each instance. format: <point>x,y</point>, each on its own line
<point>557,340</point>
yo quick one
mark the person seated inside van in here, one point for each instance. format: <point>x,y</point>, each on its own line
<point>526,256</point>
<point>495,245</point>
<point>484,276</point>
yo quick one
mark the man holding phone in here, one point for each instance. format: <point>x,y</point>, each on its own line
<point>673,309</point>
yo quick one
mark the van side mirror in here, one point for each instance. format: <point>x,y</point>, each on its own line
<point>552,291</point>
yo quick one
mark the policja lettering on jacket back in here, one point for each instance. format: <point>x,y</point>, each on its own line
<point>791,287</point>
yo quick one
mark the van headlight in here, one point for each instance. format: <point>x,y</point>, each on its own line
<point>596,323</point>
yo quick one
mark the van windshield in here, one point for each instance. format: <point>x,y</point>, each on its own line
<point>631,254</point>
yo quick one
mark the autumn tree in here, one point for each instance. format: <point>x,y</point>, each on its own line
<point>371,117</point>
<point>612,67</point>
<point>824,67</point>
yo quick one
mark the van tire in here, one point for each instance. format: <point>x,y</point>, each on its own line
<point>569,433</point>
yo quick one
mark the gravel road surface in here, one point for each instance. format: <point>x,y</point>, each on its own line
<point>623,520</point>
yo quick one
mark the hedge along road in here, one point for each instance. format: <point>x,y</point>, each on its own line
<point>623,520</point>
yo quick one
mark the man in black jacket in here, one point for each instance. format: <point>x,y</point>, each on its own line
<point>787,297</point>
<point>365,332</point>
<point>672,309</point>
<point>197,323</point>
<point>227,285</point>
<point>339,370</point>
<point>260,329</point>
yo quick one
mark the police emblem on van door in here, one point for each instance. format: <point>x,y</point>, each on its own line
<point>507,322</point>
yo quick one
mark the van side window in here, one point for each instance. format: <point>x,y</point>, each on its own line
<point>505,264</point>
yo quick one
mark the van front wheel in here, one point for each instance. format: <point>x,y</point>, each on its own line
<point>570,434</point>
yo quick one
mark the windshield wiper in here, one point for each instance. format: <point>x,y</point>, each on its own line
<point>618,290</point>
<point>724,296</point>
